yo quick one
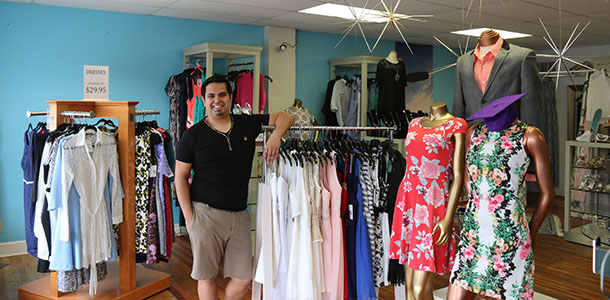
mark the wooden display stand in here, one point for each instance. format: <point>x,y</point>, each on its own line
<point>125,280</point>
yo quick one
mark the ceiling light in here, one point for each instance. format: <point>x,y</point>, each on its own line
<point>344,12</point>
<point>503,33</point>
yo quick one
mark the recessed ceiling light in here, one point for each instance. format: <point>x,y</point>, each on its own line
<point>344,12</point>
<point>503,33</point>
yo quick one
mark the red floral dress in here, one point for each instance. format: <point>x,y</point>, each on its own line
<point>422,197</point>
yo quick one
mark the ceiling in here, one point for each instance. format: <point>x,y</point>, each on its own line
<point>449,15</point>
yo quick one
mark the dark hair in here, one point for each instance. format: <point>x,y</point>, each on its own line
<point>215,78</point>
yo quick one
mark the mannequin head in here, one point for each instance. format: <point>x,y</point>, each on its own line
<point>297,103</point>
<point>488,37</point>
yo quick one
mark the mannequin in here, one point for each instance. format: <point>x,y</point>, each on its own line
<point>392,57</point>
<point>509,238</point>
<point>302,117</point>
<point>482,77</point>
<point>441,205</point>
<point>487,39</point>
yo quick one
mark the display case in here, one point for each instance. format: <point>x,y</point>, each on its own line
<point>587,197</point>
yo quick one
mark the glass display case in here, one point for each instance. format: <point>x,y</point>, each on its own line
<point>587,192</point>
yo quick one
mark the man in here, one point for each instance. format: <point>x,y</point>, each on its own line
<point>220,150</point>
<point>494,69</point>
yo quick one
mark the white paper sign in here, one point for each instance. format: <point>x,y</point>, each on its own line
<point>95,82</point>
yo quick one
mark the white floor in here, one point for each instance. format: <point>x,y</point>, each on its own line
<point>441,294</point>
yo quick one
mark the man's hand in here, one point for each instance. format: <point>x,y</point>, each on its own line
<point>272,149</point>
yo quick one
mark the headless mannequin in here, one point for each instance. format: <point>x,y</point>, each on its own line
<point>536,149</point>
<point>487,40</point>
<point>420,284</point>
<point>392,57</point>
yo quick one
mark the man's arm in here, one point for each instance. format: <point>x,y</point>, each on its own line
<point>183,190</point>
<point>282,122</point>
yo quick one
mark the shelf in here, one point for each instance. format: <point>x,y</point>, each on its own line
<point>587,144</point>
<point>593,231</point>
<point>587,168</point>
<point>597,192</point>
<point>148,283</point>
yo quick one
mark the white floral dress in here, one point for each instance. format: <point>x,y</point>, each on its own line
<point>422,197</point>
<point>494,254</point>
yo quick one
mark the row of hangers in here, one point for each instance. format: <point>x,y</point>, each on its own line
<point>296,151</point>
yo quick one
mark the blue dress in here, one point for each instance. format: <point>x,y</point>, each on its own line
<point>27,165</point>
<point>364,267</point>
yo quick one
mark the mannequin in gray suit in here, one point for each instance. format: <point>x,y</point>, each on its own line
<point>514,71</point>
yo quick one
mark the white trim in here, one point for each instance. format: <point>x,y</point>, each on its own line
<point>13,248</point>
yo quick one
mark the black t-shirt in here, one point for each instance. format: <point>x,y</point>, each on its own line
<point>222,163</point>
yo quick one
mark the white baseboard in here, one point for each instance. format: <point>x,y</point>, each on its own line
<point>13,248</point>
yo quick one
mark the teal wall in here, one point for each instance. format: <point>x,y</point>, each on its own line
<point>444,81</point>
<point>313,69</point>
<point>43,50</point>
<point>42,53</point>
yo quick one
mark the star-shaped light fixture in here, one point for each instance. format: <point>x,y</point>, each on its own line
<point>391,16</point>
<point>481,7</point>
<point>560,53</point>
<point>358,19</point>
<point>453,52</point>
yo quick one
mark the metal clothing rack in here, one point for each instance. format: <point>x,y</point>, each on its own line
<point>36,113</point>
<point>266,128</point>
<point>148,112</point>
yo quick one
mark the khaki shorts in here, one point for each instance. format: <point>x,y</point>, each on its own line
<point>220,237</point>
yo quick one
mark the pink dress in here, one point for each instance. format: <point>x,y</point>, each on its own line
<point>335,282</point>
<point>422,197</point>
<point>326,229</point>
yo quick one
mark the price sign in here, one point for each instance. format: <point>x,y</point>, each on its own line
<point>95,82</point>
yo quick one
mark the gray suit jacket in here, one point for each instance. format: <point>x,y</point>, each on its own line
<point>514,71</point>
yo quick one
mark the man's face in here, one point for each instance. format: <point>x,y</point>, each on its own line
<point>217,100</point>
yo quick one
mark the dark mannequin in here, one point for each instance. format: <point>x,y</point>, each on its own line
<point>535,147</point>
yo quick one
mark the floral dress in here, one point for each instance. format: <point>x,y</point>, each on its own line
<point>494,254</point>
<point>422,197</point>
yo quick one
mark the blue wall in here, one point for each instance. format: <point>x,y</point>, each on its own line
<point>43,50</point>
<point>313,68</point>
<point>42,53</point>
<point>444,81</point>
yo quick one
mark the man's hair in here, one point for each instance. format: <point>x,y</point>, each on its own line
<point>216,78</point>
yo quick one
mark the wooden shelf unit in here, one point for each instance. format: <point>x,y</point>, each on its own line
<point>209,51</point>
<point>364,63</point>
<point>125,279</point>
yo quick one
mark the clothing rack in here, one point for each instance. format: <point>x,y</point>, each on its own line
<point>364,63</point>
<point>148,112</point>
<point>327,128</point>
<point>241,64</point>
<point>78,114</point>
<point>36,113</point>
<point>126,279</point>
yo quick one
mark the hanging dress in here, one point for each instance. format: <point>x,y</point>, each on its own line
<point>494,254</point>
<point>422,197</point>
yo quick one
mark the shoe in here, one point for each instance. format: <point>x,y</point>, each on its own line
<point>602,138</point>
<point>585,137</point>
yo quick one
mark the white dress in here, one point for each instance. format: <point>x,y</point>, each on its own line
<point>300,271</point>
<point>279,287</point>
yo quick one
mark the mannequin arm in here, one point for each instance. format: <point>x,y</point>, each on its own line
<point>536,148</point>
<point>455,192</point>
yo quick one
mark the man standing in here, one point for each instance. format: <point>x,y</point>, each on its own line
<point>219,150</point>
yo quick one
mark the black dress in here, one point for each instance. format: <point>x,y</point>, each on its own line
<point>392,80</point>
